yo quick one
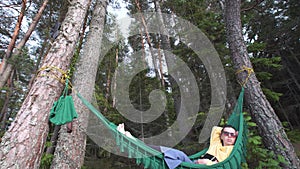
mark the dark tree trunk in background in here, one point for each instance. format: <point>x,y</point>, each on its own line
<point>270,127</point>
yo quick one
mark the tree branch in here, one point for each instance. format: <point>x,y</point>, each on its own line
<point>253,6</point>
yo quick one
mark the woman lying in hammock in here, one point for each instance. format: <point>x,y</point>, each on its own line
<point>222,141</point>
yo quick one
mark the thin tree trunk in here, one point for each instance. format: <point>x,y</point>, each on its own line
<point>148,40</point>
<point>12,42</point>
<point>115,79</point>
<point>108,84</point>
<point>143,48</point>
<point>285,114</point>
<point>23,144</point>
<point>6,68</point>
<point>7,101</point>
<point>292,74</point>
<point>53,140</point>
<point>166,46</point>
<point>70,149</point>
<point>161,72</point>
<point>268,123</point>
<point>165,43</point>
<point>4,112</point>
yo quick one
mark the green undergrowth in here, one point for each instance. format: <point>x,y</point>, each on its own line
<point>257,155</point>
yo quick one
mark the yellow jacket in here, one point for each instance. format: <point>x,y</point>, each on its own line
<point>216,148</point>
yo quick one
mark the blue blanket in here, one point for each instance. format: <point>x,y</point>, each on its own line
<point>174,157</point>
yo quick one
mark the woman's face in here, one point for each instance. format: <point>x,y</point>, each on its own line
<point>228,136</point>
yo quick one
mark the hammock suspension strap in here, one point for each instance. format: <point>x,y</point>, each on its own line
<point>56,73</point>
<point>249,71</point>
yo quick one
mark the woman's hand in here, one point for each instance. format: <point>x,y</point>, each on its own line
<point>205,161</point>
<point>202,161</point>
<point>121,129</point>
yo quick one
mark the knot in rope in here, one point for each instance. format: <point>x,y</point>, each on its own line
<point>249,72</point>
<point>56,73</point>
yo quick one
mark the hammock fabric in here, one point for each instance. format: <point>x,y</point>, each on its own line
<point>154,159</point>
<point>63,110</point>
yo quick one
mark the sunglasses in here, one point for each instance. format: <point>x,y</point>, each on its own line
<point>228,134</point>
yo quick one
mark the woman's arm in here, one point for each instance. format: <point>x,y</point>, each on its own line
<point>215,135</point>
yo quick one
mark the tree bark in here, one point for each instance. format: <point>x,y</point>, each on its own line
<point>23,144</point>
<point>7,68</point>
<point>70,149</point>
<point>270,127</point>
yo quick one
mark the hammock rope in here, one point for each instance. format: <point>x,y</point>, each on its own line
<point>55,73</point>
<point>248,70</point>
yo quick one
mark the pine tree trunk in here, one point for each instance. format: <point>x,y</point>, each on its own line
<point>53,140</point>
<point>70,149</point>
<point>114,78</point>
<point>4,113</point>
<point>23,144</point>
<point>10,48</point>
<point>148,40</point>
<point>270,127</point>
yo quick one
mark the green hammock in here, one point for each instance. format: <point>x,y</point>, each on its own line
<point>153,159</point>
<point>63,110</point>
